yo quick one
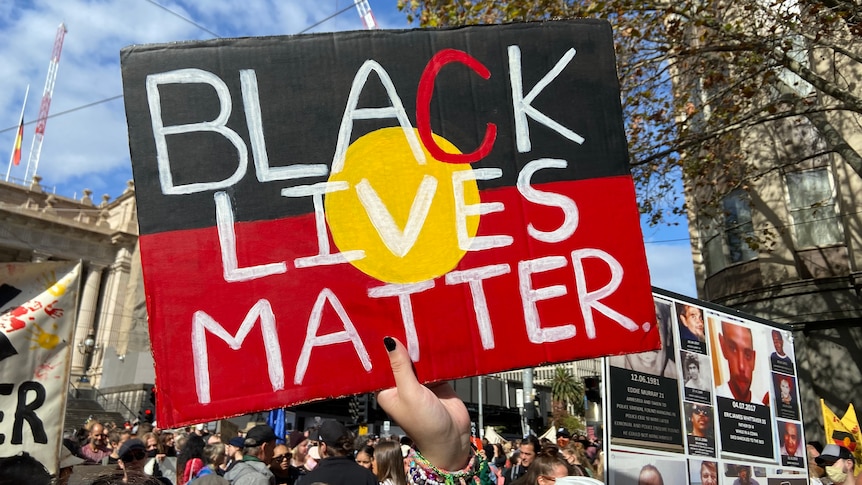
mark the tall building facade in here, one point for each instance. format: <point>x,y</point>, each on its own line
<point>111,342</point>
<point>786,244</point>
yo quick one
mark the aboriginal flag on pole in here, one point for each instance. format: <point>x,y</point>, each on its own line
<point>844,431</point>
<point>300,198</point>
<point>19,137</point>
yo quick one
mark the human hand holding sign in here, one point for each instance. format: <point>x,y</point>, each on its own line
<point>433,416</point>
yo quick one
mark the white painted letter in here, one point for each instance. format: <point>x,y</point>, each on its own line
<point>265,173</point>
<point>530,296</point>
<point>201,322</point>
<point>399,242</point>
<point>590,300</point>
<point>570,209</point>
<point>218,125</point>
<point>521,103</point>
<point>351,112</point>
<point>349,334</point>
<point>227,240</point>
<point>462,210</point>
<point>475,277</point>
<point>324,256</point>
<point>403,293</point>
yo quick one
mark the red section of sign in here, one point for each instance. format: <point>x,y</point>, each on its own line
<point>184,277</point>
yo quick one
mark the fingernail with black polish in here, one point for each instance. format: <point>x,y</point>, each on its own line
<point>389,342</point>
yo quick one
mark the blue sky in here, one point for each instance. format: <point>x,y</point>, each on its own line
<point>85,144</point>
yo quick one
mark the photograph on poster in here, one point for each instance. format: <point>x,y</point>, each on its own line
<point>791,451</point>
<point>702,472</point>
<point>741,474</point>
<point>645,407</point>
<point>784,388</point>
<point>740,375</point>
<point>692,332</point>
<point>697,378</point>
<point>782,346</point>
<point>700,428</point>
<point>700,420</point>
<point>643,469</point>
<point>656,362</point>
<point>741,372</point>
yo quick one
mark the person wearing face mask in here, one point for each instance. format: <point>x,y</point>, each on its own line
<point>839,463</point>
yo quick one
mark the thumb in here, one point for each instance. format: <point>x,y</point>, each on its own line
<point>402,367</point>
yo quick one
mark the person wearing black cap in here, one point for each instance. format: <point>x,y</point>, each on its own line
<point>839,463</point>
<point>253,469</point>
<point>233,453</point>
<point>132,457</point>
<point>336,465</point>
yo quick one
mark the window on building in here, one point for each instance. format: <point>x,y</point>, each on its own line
<point>811,198</point>
<point>728,239</point>
<point>738,229</point>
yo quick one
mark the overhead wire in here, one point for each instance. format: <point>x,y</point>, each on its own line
<point>184,19</point>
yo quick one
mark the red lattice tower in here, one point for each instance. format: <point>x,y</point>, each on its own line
<point>36,148</point>
<point>365,14</point>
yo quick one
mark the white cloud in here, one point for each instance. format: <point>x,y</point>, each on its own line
<point>87,147</point>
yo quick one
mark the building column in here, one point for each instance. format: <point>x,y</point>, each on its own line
<point>112,308</point>
<point>86,318</point>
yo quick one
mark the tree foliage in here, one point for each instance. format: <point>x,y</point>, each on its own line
<point>697,77</point>
<point>565,389</point>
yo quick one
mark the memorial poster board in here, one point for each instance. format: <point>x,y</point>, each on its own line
<point>727,399</point>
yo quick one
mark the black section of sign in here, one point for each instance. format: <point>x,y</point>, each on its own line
<point>693,346</point>
<point>701,445</point>
<point>645,408</point>
<point>7,293</point>
<point>785,481</point>
<point>781,364</point>
<point>304,82</point>
<point>794,461</point>
<point>697,395</point>
<point>745,428</point>
<point>787,411</point>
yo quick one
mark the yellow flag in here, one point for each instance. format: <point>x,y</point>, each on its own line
<point>844,432</point>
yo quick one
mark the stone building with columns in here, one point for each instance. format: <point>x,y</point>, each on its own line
<point>111,341</point>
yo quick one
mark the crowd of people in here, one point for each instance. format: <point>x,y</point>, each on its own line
<point>437,448</point>
<point>194,456</point>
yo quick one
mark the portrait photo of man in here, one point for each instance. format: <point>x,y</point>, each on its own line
<point>699,420</point>
<point>779,360</point>
<point>695,369</point>
<point>790,441</point>
<point>736,345</point>
<point>703,472</point>
<point>691,326</point>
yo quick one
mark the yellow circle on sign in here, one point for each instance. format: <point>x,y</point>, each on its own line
<point>400,212</point>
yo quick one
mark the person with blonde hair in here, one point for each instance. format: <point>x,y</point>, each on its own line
<point>546,468</point>
<point>388,463</point>
<point>576,456</point>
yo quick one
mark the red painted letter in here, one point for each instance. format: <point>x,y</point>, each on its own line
<point>423,107</point>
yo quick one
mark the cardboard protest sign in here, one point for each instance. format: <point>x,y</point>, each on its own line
<point>300,198</point>
<point>37,318</point>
